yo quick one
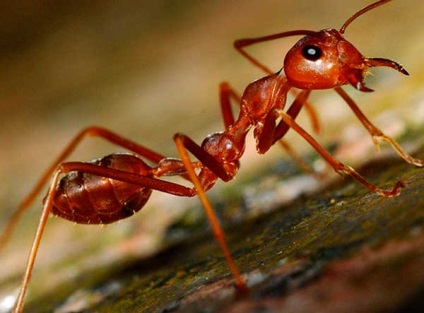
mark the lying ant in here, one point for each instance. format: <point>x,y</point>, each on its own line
<point>118,185</point>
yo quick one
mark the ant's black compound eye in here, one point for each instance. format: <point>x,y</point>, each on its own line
<point>312,53</point>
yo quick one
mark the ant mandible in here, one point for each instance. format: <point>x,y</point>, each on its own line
<point>118,185</point>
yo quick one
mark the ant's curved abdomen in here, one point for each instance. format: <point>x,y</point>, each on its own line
<point>90,199</point>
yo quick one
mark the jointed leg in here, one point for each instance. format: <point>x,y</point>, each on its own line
<point>376,133</point>
<point>226,94</point>
<point>181,143</point>
<point>338,166</point>
<point>20,300</point>
<point>282,128</point>
<point>241,43</point>
<point>293,111</point>
<point>301,164</point>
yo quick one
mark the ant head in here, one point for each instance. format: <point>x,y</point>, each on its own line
<point>324,59</point>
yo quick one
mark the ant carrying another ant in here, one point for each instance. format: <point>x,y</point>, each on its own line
<point>116,186</point>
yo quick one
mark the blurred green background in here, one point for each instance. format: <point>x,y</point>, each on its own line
<point>147,69</point>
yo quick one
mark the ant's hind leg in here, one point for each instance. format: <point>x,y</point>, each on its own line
<point>92,131</point>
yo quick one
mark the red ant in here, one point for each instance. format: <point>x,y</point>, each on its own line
<point>118,185</point>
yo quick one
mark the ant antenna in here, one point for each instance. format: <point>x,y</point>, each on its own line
<point>359,13</point>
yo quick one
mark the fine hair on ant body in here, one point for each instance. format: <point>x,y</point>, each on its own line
<point>118,185</point>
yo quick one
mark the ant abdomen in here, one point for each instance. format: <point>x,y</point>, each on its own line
<point>90,199</point>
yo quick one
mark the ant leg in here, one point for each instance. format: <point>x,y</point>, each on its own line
<point>183,143</point>
<point>297,158</point>
<point>376,133</point>
<point>241,43</point>
<point>293,111</point>
<point>226,94</point>
<point>92,131</point>
<point>313,116</point>
<point>19,303</point>
<point>282,128</point>
<point>338,166</point>
<point>132,178</point>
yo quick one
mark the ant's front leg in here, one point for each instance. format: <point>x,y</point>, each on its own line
<point>338,166</point>
<point>376,133</point>
<point>282,128</point>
